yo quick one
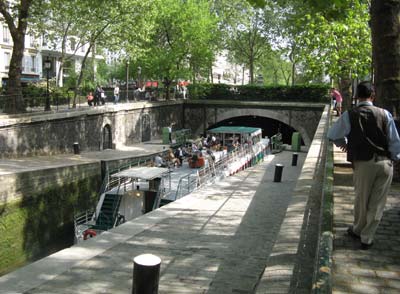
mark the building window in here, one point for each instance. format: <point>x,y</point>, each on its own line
<point>32,41</point>
<point>33,63</point>
<point>6,35</point>
<point>72,43</point>
<point>29,63</point>
<point>6,60</point>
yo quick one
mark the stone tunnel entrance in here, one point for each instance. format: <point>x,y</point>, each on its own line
<point>269,126</point>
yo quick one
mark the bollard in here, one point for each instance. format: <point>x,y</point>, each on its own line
<point>294,159</point>
<point>146,273</point>
<point>76,148</point>
<point>278,172</point>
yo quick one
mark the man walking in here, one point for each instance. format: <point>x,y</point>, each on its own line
<point>116,94</point>
<point>369,136</point>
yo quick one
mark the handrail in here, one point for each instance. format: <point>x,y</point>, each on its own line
<point>206,174</point>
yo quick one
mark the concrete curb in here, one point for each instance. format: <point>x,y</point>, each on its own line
<point>281,266</point>
<point>322,282</point>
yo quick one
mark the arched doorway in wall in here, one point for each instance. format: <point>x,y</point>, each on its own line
<point>146,129</point>
<point>107,137</point>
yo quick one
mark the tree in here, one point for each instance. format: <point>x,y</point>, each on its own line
<point>179,42</point>
<point>385,27</point>
<point>249,35</point>
<point>16,15</point>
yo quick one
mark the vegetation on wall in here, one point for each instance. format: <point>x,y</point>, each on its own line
<point>42,223</point>
<point>303,93</point>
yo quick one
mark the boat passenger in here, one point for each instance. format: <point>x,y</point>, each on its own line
<point>172,159</point>
<point>179,154</point>
<point>159,162</point>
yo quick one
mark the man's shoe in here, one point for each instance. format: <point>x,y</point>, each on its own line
<point>365,246</point>
<point>351,233</point>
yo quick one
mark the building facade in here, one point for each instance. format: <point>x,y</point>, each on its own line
<point>37,51</point>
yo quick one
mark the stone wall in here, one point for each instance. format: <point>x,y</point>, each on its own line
<point>37,210</point>
<point>56,133</point>
<point>304,118</point>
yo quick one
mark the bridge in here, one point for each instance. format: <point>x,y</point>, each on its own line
<point>115,126</point>
<point>199,115</point>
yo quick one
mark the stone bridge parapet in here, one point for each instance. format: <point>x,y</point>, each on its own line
<point>303,117</point>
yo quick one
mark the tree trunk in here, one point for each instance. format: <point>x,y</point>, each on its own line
<point>345,90</point>
<point>14,90</point>
<point>385,29</point>
<point>80,77</point>
<point>167,83</point>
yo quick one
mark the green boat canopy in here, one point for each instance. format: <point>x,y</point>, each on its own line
<point>236,130</point>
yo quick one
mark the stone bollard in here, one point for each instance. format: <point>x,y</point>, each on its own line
<point>146,273</point>
<point>295,156</point>
<point>278,172</point>
<point>76,148</point>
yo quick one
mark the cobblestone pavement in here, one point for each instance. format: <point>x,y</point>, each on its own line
<point>216,240</point>
<point>376,270</point>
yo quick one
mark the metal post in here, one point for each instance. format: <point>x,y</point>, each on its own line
<point>278,172</point>
<point>47,93</point>
<point>146,274</point>
<point>139,77</point>
<point>127,79</point>
<point>47,65</point>
<point>294,159</point>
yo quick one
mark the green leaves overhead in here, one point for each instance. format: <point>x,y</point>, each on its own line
<point>182,40</point>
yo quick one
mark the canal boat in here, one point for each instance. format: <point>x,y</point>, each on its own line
<point>136,190</point>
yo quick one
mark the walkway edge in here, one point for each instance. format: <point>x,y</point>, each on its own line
<point>280,268</point>
<point>322,282</point>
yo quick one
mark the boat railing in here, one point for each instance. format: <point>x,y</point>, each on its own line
<point>82,222</point>
<point>186,185</point>
<point>218,169</point>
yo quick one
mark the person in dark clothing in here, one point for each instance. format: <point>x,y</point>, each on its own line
<point>369,136</point>
<point>97,96</point>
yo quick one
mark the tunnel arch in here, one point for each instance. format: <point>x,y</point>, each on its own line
<point>284,118</point>
<point>269,126</point>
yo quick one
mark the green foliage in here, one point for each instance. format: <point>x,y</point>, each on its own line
<point>181,41</point>
<point>297,93</point>
<point>328,38</point>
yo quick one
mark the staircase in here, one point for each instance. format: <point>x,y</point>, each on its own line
<point>108,212</point>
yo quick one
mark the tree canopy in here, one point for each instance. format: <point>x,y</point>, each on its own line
<point>292,40</point>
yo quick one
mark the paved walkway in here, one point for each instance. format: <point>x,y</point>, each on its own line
<point>216,240</point>
<point>359,271</point>
<point>32,163</point>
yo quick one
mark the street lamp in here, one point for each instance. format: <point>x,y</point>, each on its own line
<point>47,66</point>
<point>127,78</point>
<point>139,72</point>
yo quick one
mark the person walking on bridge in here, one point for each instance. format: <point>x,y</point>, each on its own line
<point>369,136</point>
<point>338,100</point>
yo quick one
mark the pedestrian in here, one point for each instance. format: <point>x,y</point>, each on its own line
<point>338,100</point>
<point>97,96</point>
<point>170,134</point>
<point>116,94</point>
<point>90,98</point>
<point>369,136</point>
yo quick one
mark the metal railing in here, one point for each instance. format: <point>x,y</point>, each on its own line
<point>14,104</point>
<point>81,223</point>
<point>225,166</point>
